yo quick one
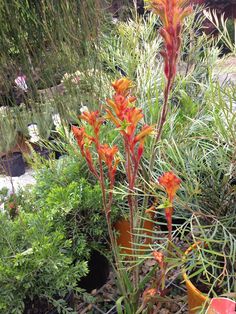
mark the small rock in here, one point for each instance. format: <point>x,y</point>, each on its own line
<point>94,292</point>
<point>164,311</point>
<point>174,308</point>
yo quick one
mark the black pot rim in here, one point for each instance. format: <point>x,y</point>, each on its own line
<point>11,156</point>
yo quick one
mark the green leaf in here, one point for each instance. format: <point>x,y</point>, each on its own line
<point>119,306</point>
<point>147,278</point>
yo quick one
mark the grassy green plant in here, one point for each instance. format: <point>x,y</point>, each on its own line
<point>52,49</point>
<point>220,23</point>
<point>8,131</point>
<point>65,41</point>
<point>211,266</point>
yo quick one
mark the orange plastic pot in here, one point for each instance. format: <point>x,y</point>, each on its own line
<point>124,238</point>
<point>195,297</point>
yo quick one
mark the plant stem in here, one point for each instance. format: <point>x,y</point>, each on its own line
<point>131,181</point>
<point>159,129</point>
<point>160,125</point>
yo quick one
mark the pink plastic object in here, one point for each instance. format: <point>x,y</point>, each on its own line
<point>221,306</point>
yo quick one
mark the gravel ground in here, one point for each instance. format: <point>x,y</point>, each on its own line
<point>102,301</point>
<point>18,182</point>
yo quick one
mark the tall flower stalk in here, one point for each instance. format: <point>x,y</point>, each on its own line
<point>103,159</point>
<point>172,14</point>
<point>171,183</point>
<point>126,118</point>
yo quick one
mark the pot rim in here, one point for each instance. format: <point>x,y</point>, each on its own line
<point>185,276</point>
<point>12,155</point>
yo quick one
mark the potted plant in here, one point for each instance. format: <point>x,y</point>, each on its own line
<point>221,305</point>
<point>40,130</point>
<point>62,185</point>
<point>209,263</point>
<point>123,238</point>
<point>37,269</point>
<point>11,159</point>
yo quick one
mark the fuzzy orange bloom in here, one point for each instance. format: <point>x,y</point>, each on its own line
<point>140,151</point>
<point>159,257</point>
<point>92,118</point>
<point>171,183</point>
<point>131,117</point>
<point>119,104</point>
<point>122,86</point>
<point>89,160</point>
<point>107,153</point>
<point>146,130</point>
<point>79,134</point>
<point>126,116</point>
<point>149,294</point>
<point>109,116</point>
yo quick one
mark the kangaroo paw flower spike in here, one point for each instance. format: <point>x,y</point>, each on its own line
<point>149,294</point>
<point>159,257</point>
<point>126,117</point>
<point>171,183</point>
<point>171,13</point>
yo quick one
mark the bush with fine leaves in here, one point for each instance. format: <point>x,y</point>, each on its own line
<point>36,260</point>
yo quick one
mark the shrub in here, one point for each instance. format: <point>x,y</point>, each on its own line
<point>65,189</point>
<point>36,260</point>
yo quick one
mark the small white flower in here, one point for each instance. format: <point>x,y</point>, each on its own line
<point>84,109</point>
<point>77,73</point>
<point>21,82</point>
<point>56,119</point>
<point>33,132</point>
<point>2,209</point>
<point>75,80</point>
<point>115,21</point>
<point>66,76</point>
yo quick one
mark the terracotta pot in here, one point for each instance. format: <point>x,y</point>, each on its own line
<point>124,237</point>
<point>195,297</point>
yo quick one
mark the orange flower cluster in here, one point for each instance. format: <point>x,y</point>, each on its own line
<point>172,13</point>
<point>126,117</point>
<point>122,112</point>
<point>109,156</point>
<point>93,118</point>
<point>149,294</point>
<point>171,183</point>
<point>159,257</point>
<point>84,140</point>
